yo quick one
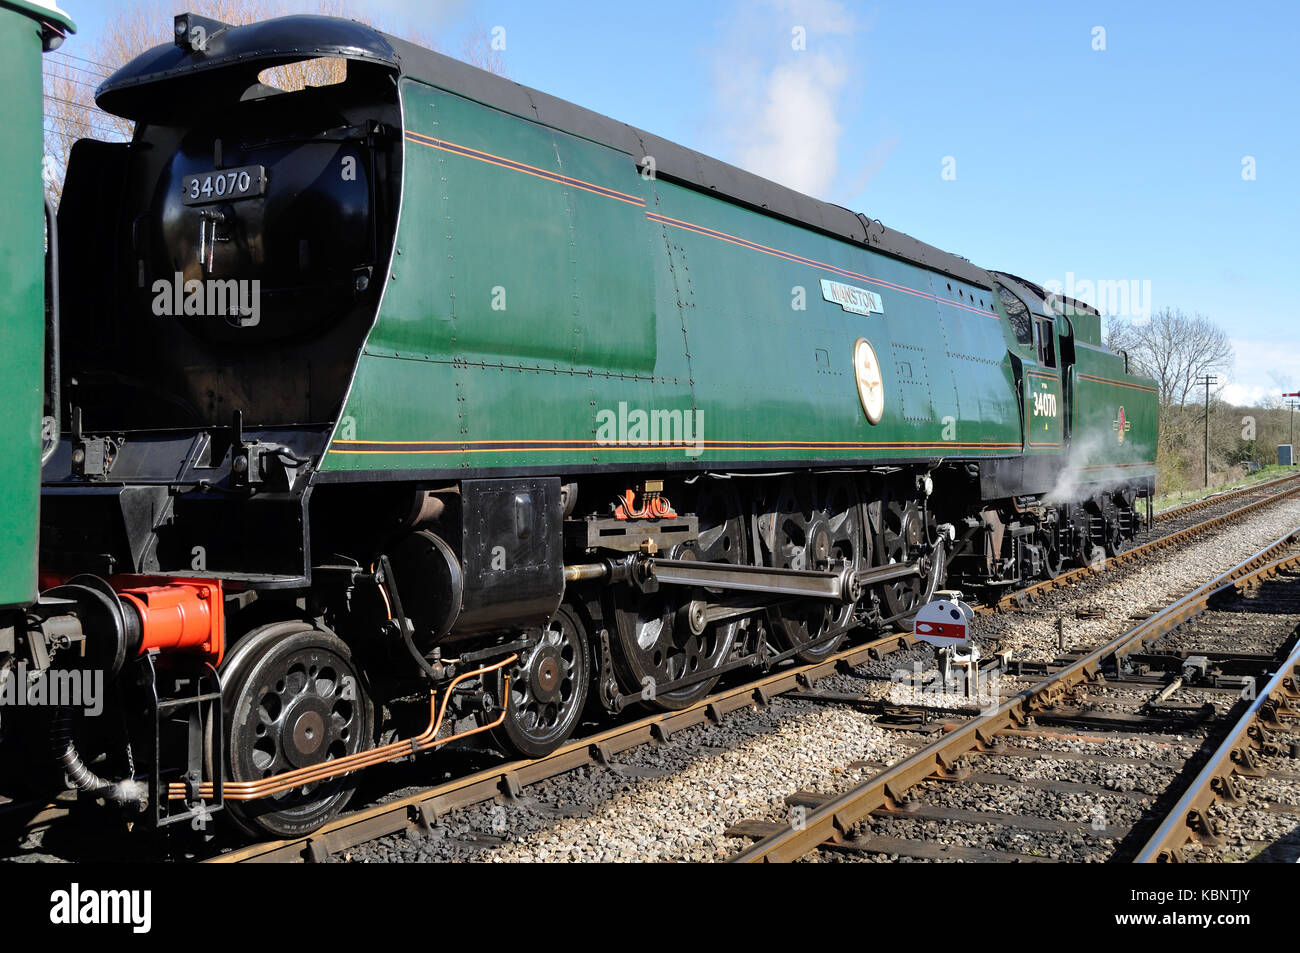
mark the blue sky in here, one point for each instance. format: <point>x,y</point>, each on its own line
<point>997,131</point>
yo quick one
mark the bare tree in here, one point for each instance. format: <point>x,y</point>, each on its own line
<point>479,50</point>
<point>73,73</point>
<point>1174,348</point>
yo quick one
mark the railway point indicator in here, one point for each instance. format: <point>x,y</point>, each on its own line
<point>943,623</point>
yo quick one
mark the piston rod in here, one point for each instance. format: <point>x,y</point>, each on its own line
<point>844,585</point>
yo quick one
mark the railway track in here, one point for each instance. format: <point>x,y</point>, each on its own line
<point>1263,745</point>
<point>1214,499</point>
<point>1193,710</point>
<point>421,809</point>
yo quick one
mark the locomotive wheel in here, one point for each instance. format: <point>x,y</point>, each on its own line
<point>815,529</point>
<point>722,527</point>
<point>547,690</point>
<point>903,539</point>
<point>292,697</point>
<point>657,644</point>
<point>661,636</point>
<point>1054,563</point>
<point>1115,541</point>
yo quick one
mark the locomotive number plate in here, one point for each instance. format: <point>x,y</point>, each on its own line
<point>224,185</point>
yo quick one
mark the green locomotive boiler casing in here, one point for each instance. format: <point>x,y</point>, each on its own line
<point>546,284</point>
<point>543,292</point>
<point>26,31</point>
<point>462,278</point>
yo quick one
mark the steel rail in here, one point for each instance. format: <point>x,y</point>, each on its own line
<point>833,821</point>
<point>421,810</point>
<point>1202,503</point>
<point>1190,818</point>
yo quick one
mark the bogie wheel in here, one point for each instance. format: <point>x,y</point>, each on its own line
<point>1115,541</point>
<point>663,637</point>
<point>548,689</point>
<point>1054,552</point>
<point>1087,551</point>
<point>292,698</point>
<point>816,523</point>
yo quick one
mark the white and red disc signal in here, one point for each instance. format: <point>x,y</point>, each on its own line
<point>943,623</point>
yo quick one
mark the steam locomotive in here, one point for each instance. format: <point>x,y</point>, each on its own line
<point>423,405</point>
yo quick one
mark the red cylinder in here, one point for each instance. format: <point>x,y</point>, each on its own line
<point>181,615</point>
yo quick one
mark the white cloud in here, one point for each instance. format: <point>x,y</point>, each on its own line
<point>794,137</point>
<point>1264,368</point>
<point>779,104</point>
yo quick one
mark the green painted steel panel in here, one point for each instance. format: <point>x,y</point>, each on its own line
<point>543,286</point>
<point>22,290</point>
<point>1113,419</point>
<point>43,12</point>
<point>1044,410</point>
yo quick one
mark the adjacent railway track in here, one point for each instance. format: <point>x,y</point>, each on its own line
<point>1269,727</point>
<point>1015,729</point>
<point>1214,499</point>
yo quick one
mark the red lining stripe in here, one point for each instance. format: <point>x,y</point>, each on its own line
<point>1107,380</point>
<point>738,443</point>
<point>516,166</point>
<point>607,192</point>
<point>790,256</point>
<point>1117,466</point>
<point>553,447</point>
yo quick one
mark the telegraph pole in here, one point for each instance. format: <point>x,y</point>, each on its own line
<point>1207,380</point>
<point>1292,405</point>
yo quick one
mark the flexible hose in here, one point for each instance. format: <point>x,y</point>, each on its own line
<point>128,791</point>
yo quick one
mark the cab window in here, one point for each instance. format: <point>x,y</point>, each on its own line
<point>1046,342</point>
<point>1018,314</point>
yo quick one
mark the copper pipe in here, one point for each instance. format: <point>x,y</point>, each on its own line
<point>388,609</point>
<point>426,740</point>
